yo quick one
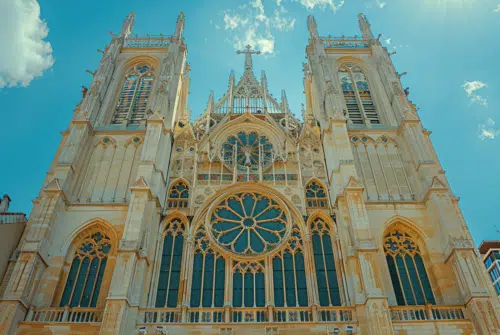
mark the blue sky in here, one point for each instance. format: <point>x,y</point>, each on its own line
<point>448,47</point>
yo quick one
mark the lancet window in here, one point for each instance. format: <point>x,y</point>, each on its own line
<point>87,269</point>
<point>289,276</point>
<point>407,270</point>
<point>249,284</point>
<point>358,98</point>
<point>208,282</point>
<point>134,96</point>
<point>316,195</point>
<point>178,195</point>
<point>170,268</point>
<point>324,261</point>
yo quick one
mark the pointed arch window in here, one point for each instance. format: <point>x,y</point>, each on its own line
<point>289,276</point>
<point>357,95</point>
<point>316,195</point>
<point>407,270</point>
<point>249,284</point>
<point>178,195</point>
<point>324,261</point>
<point>85,276</point>
<point>170,268</point>
<point>131,107</point>
<point>208,281</point>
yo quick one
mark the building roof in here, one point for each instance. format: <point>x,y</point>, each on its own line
<point>486,245</point>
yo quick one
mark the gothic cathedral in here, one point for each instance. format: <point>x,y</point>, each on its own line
<point>246,220</point>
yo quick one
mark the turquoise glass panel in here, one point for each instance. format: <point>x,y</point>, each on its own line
<point>425,280</point>
<point>279,298</point>
<point>68,288</point>
<point>395,280</point>
<point>237,289</point>
<point>405,281</point>
<point>80,282</point>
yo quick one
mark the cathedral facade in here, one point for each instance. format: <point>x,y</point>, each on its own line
<point>246,220</point>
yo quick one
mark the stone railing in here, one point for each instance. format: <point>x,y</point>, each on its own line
<point>148,41</point>
<point>65,315</point>
<point>427,313</point>
<point>6,218</point>
<point>344,42</point>
<point>247,315</point>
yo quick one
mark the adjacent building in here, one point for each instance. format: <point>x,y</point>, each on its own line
<point>490,253</point>
<point>247,220</point>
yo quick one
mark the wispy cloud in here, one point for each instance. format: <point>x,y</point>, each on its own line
<point>251,25</point>
<point>471,87</point>
<point>322,4</point>
<point>381,4</point>
<point>25,54</point>
<point>488,130</point>
<point>497,9</point>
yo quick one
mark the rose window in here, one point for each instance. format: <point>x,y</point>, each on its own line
<point>248,149</point>
<point>248,223</point>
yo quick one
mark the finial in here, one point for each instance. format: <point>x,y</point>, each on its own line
<point>248,56</point>
<point>311,25</point>
<point>179,28</point>
<point>364,26</point>
<point>284,101</point>
<point>127,25</point>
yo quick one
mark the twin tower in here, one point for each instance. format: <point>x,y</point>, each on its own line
<point>246,220</point>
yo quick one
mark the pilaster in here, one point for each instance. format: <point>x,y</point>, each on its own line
<point>131,264</point>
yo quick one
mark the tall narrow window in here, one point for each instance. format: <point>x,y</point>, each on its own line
<point>289,276</point>
<point>170,268</point>
<point>324,261</point>
<point>178,195</point>
<point>131,108</point>
<point>87,270</point>
<point>249,285</point>
<point>406,267</point>
<point>358,98</point>
<point>316,195</point>
<point>207,285</point>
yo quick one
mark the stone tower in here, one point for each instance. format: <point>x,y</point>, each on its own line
<point>246,220</point>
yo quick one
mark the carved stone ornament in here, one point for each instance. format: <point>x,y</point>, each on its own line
<point>199,199</point>
<point>272,331</point>
<point>142,331</point>
<point>161,330</point>
<point>226,331</point>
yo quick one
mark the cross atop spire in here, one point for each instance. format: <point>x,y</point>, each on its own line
<point>248,56</point>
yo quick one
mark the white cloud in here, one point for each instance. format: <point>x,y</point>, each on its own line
<point>488,130</point>
<point>251,26</point>
<point>381,4</point>
<point>388,41</point>
<point>233,21</point>
<point>24,54</point>
<point>263,43</point>
<point>497,9</point>
<point>471,87</point>
<point>322,4</point>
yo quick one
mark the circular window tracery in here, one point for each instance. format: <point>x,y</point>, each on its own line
<point>249,149</point>
<point>248,223</point>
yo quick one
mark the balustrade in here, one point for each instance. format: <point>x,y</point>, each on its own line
<point>427,313</point>
<point>336,314</point>
<point>65,315</point>
<point>292,315</point>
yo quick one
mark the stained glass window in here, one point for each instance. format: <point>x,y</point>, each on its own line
<point>170,268</point>
<point>131,107</point>
<point>248,149</point>
<point>316,195</point>
<point>289,277</point>
<point>324,261</point>
<point>87,270</point>
<point>178,195</point>
<point>208,281</point>
<point>249,284</point>
<point>357,95</point>
<point>406,268</point>
<point>248,223</point>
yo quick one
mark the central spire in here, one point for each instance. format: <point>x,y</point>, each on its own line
<point>248,56</point>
